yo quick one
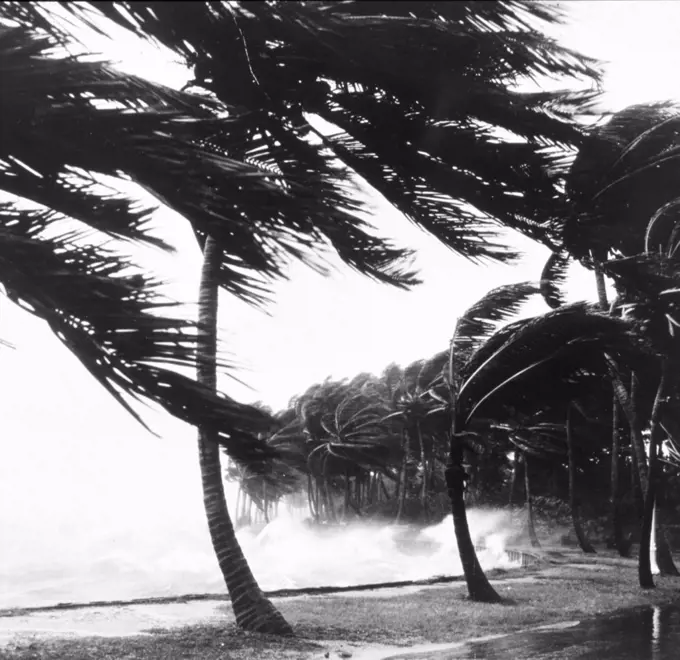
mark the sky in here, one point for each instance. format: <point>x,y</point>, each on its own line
<point>60,428</point>
<point>345,324</point>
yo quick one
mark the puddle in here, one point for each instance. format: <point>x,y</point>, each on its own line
<point>649,633</point>
<point>441,650</point>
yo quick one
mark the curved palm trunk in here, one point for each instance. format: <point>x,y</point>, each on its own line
<point>645,564</point>
<point>583,541</point>
<point>423,461</point>
<point>601,288</point>
<point>253,611</point>
<point>479,587</point>
<point>311,498</point>
<point>664,556</point>
<point>620,542</point>
<point>531,523</point>
<point>402,478</point>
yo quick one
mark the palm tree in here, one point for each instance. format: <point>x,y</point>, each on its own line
<point>253,611</point>
<point>348,443</point>
<point>275,63</point>
<point>471,329</point>
<point>498,374</point>
<point>162,140</point>
<point>411,411</point>
<point>574,503</point>
<point>624,177</point>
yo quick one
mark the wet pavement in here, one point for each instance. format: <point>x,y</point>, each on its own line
<point>650,633</point>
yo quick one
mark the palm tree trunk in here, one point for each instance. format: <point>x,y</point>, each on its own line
<point>531,523</point>
<point>253,611</point>
<point>645,564</point>
<point>265,504</point>
<point>423,462</point>
<point>328,495</point>
<point>601,288</point>
<point>664,556</point>
<point>383,487</point>
<point>402,479</point>
<point>644,557</point>
<point>628,402</point>
<point>479,587</point>
<point>583,542</point>
<point>374,488</point>
<point>238,504</point>
<point>513,480</point>
<point>635,487</point>
<point>311,501</point>
<point>637,442</point>
<point>615,487</point>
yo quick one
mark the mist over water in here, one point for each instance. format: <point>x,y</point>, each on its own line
<point>137,556</point>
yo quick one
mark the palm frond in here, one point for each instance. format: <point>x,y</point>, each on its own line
<point>110,318</point>
<point>553,277</point>
<point>422,97</point>
<point>480,320</point>
<point>549,351</point>
<point>88,119</point>
<point>624,175</point>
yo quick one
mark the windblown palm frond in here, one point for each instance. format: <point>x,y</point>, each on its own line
<point>553,277</point>
<point>88,119</point>
<point>109,318</point>
<point>625,175</point>
<point>420,94</point>
<point>551,351</point>
<point>480,320</point>
<point>432,371</point>
<point>65,122</point>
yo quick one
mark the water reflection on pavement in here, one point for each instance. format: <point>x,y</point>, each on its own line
<point>650,633</point>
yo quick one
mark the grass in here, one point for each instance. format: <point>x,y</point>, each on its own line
<point>557,591</point>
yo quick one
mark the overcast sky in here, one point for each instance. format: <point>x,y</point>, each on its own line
<point>62,431</point>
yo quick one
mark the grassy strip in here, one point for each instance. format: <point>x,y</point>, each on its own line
<point>441,613</point>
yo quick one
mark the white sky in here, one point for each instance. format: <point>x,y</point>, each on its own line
<point>61,428</point>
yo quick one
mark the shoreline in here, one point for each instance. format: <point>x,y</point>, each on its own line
<point>523,560</point>
<point>565,587</point>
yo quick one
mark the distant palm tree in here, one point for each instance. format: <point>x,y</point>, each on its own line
<point>411,409</point>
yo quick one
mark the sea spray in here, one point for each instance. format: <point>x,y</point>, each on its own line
<point>164,559</point>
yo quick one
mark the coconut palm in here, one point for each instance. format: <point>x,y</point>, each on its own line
<point>410,409</point>
<point>496,374</point>
<point>623,220</point>
<point>412,74</point>
<point>471,329</point>
<point>88,120</point>
<point>653,305</point>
